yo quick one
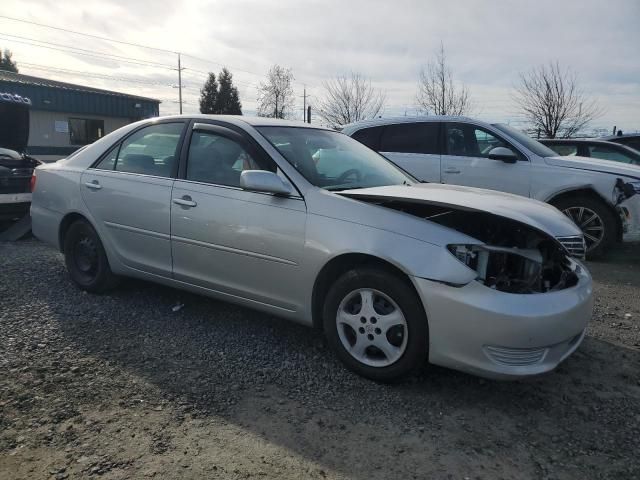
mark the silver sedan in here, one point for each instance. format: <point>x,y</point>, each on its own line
<point>308,224</point>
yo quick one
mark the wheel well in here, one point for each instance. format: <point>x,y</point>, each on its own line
<point>587,192</point>
<point>67,221</point>
<point>340,265</point>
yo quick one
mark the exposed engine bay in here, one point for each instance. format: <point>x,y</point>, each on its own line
<point>516,258</point>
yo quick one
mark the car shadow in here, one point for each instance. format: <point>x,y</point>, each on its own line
<point>279,381</point>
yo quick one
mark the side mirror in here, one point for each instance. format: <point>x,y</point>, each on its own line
<point>503,153</point>
<point>263,181</point>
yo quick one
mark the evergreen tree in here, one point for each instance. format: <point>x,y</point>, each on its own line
<point>209,95</point>
<point>6,63</point>
<point>228,101</point>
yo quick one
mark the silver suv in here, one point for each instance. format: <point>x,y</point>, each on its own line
<point>598,195</point>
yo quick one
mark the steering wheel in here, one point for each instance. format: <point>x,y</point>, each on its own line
<point>352,171</point>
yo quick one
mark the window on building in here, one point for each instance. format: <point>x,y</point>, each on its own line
<point>83,131</point>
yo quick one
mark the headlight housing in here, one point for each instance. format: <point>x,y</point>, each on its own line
<point>516,270</point>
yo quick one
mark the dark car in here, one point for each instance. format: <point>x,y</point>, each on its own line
<point>631,140</point>
<point>584,147</point>
<point>16,168</point>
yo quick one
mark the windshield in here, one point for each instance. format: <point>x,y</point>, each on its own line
<point>528,142</point>
<point>332,160</point>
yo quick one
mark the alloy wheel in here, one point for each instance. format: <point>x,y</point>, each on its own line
<point>371,327</point>
<point>590,223</point>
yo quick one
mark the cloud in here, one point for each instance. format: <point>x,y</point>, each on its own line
<point>488,44</point>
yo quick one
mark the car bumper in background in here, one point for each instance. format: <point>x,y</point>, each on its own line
<point>14,205</point>
<point>629,211</point>
<point>501,335</point>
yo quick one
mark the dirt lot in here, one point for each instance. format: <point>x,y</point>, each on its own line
<point>120,386</point>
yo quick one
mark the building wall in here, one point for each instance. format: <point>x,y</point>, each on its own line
<point>48,140</point>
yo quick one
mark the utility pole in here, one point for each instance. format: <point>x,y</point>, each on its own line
<point>179,83</point>
<point>304,104</point>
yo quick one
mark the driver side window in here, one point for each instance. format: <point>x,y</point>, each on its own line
<point>470,141</point>
<point>220,160</point>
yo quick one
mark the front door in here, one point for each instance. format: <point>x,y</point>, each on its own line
<point>466,161</point>
<point>129,196</point>
<point>235,242</point>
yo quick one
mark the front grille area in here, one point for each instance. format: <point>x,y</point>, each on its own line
<point>516,357</point>
<point>574,245</point>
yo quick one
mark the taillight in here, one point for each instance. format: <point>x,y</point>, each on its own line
<point>32,182</point>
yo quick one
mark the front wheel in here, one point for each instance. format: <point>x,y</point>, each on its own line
<point>375,323</point>
<point>594,218</point>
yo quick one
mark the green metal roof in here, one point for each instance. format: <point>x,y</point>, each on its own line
<point>55,96</point>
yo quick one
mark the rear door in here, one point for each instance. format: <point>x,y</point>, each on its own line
<point>414,147</point>
<point>128,193</point>
<point>466,160</point>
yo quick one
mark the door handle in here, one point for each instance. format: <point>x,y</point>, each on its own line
<point>185,201</point>
<point>93,185</point>
<point>452,170</point>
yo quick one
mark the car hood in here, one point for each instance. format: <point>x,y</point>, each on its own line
<point>596,165</point>
<point>538,215</point>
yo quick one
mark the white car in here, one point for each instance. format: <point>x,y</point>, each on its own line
<point>600,196</point>
<point>308,224</point>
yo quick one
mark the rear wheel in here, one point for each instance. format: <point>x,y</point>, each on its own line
<point>86,259</point>
<point>594,218</point>
<point>375,323</point>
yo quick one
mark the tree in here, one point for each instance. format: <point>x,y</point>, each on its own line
<point>437,93</point>
<point>553,103</point>
<point>227,101</point>
<point>349,99</point>
<point>208,95</point>
<point>275,96</point>
<point>6,63</point>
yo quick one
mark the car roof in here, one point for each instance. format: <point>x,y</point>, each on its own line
<point>577,140</point>
<point>394,120</point>
<point>246,120</point>
<point>624,135</point>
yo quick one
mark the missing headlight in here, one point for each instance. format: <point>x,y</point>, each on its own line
<point>518,270</point>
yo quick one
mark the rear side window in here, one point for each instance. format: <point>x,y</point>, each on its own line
<point>369,137</point>
<point>421,137</point>
<point>152,150</point>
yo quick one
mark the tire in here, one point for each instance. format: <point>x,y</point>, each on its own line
<point>406,346</point>
<point>571,206</point>
<point>86,259</point>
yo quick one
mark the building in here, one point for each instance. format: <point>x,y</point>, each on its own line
<point>65,116</point>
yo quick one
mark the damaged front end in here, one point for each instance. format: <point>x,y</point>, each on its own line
<point>514,257</point>
<point>515,270</point>
<point>627,197</point>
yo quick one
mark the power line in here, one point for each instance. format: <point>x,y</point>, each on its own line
<point>133,44</point>
<point>86,34</point>
<point>48,68</point>
<point>82,51</point>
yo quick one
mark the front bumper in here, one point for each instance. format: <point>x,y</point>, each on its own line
<point>629,211</point>
<point>500,335</point>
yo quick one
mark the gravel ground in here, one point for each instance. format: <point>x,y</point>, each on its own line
<point>120,386</point>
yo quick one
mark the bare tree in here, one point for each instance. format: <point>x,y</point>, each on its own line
<point>275,96</point>
<point>349,99</point>
<point>553,103</point>
<point>437,92</point>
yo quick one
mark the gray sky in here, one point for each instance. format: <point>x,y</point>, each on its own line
<point>488,43</point>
